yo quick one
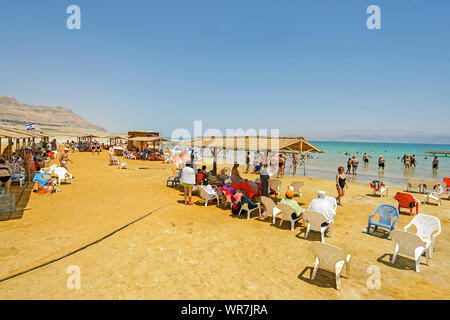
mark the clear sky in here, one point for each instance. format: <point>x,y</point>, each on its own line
<point>309,68</point>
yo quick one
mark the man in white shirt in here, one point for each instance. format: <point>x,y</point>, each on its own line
<point>323,206</point>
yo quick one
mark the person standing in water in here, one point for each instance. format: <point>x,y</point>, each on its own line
<point>340,184</point>
<point>355,163</point>
<point>366,159</point>
<point>435,164</point>
<point>349,165</point>
<point>381,163</point>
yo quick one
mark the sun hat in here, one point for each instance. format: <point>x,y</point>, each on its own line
<point>289,194</point>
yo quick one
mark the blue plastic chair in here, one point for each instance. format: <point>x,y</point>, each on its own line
<point>174,179</point>
<point>387,213</point>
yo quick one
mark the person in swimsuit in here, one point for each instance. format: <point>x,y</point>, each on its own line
<point>407,161</point>
<point>247,161</point>
<point>349,165</point>
<point>381,163</point>
<point>435,163</point>
<point>355,163</point>
<point>5,175</point>
<point>366,159</point>
<point>111,155</point>
<point>281,163</point>
<point>413,160</point>
<point>97,147</point>
<point>64,158</point>
<point>27,161</point>
<point>294,164</point>
<point>340,184</point>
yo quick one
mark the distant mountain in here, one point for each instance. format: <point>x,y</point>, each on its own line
<point>16,114</point>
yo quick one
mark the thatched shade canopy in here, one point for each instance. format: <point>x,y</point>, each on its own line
<point>257,143</point>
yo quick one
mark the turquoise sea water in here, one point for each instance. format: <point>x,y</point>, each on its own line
<point>325,165</point>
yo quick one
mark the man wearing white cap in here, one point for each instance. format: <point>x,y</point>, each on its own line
<point>323,206</point>
<point>64,158</point>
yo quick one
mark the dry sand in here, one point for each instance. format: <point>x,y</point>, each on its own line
<point>181,252</point>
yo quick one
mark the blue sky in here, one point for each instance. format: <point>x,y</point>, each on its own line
<point>309,68</point>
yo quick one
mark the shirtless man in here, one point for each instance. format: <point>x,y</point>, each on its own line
<point>281,164</point>
<point>64,158</point>
<point>27,161</point>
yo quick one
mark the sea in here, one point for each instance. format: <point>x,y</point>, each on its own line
<point>324,165</point>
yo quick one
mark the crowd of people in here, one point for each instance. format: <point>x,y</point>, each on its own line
<point>409,161</point>
<point>25,161</point>
<point>243,191</point>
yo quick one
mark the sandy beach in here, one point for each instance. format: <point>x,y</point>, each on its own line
<point>197,252</point>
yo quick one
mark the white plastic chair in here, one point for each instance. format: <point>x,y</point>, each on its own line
<point>62,174</point>
<point>18,176</point>
<point>227,198</point>
<point>122,164</point>
<point>427,228</point>
<point>409,244</point>
<point>315,221</point>
<point>51,168</point>
<point>275,184</point>
<point>332,259</point>
<point>207,193</point>
<point>436,195</point>
<point>245,207</point>
<point>270,207</point>
<point>296,186</point>
<point>287,212</point>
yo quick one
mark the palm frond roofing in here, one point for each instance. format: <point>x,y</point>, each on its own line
<point>261,143</point>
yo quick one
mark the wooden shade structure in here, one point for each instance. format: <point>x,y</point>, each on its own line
<point>253,143</point>
<point>15,134</point>
<point>143,141</point>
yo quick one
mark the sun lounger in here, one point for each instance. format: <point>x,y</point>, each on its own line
<point>287,212</point>
<point>406,200</point>
<point>409,244</point>
<point>430,185</point>
<point>427,228</point>
<point>389,215</point>
<point>332,259</point>
<point>414,184</point>
<point>436,195</point>
<point>296,186</point>
<point>315,222</point>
